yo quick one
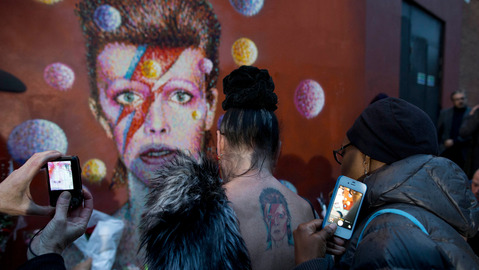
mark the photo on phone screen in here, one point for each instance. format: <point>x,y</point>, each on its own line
<point>61,177</point>
<point>344,206</point>
<point>64,174</point>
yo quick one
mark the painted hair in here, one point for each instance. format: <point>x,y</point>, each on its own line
<point>250,120</point>
<point>273,196</point>
<point>188,222</point>
<point>164,23</point>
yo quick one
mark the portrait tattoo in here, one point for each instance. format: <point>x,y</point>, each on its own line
<point>277,218</point>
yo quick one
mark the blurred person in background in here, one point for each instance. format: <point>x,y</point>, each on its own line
<point>451,144</point>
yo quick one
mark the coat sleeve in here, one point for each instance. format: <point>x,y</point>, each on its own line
<point>396,243</point>
<point>317,264</point>
<point>440,132</point>
<point>51,261</point>
<point>470,125</point>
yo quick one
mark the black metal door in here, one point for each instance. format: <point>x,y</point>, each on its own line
<point>421,54</point>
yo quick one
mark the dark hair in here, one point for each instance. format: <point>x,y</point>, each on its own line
<point>170,24</point>
<point>249,120</point>
<point>188,222</point>
<point>457,92</point>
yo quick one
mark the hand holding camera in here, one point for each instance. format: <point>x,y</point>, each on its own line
<point>15,197</point>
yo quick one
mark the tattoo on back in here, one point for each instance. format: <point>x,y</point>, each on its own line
<point>277,218</point>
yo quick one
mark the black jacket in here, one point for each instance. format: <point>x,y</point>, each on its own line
<point>444,126</point>
<point>50,261</point>
<point>436,192</point>
<point>470,128</point>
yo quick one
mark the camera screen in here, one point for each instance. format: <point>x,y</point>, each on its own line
<point>345,207</point>
<point>60,174</point>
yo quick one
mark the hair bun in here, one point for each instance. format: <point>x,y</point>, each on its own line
<point>249,88</point>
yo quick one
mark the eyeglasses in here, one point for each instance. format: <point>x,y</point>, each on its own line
<point>339,154</point>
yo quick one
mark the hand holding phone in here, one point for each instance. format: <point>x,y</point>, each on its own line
<point>344,206</point>
<point>64,174</point>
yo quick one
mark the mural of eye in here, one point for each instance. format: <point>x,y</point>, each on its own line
<point>309,98</point>
<point>244,52</point>
<point>247,7</point>
<point>181,97</point>
<point>151,69</point>
<point>33,136</point>
<point>107,18</point>
<point>59,76</point>
<point>128,98</point>
<point>94,170</point>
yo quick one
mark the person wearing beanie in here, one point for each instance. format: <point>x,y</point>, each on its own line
<point>248,146</point>
<point>392,148</point>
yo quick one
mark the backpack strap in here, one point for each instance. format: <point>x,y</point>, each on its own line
<point>392,211</point>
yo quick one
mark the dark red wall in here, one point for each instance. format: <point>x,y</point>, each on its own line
<point>383,40</point>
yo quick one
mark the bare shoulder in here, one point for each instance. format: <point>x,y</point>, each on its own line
<point>268,213</point>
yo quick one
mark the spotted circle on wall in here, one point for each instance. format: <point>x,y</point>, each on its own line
<point>244,52</point>
<point>33,136</point>
<point>94,171</point>
<point>309,98</point>
<point>107,18</point>
<point>151,69</point>
<point>49,2</point>
<point>59,76</point>
<point>206,66</point>
<point>247,7</point>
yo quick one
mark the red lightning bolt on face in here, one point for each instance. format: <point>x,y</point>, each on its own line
<point>165,58</point>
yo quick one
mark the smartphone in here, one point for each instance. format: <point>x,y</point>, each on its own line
<point>64,174</point>
<point>343,209</point>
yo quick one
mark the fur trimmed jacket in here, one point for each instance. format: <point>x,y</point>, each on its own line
<point>188,222</point>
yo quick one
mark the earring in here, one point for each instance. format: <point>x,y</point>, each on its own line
<point>365,167</point>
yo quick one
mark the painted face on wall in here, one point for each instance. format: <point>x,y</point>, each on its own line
<point>154,101</point>
<point>277,221</point>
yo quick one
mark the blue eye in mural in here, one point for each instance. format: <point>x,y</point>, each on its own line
<point>309,98</point>
<point>247,7</point>
<point>33,136</point>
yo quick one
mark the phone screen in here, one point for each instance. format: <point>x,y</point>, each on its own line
<point>60,175</point>
<point>345,207</point>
